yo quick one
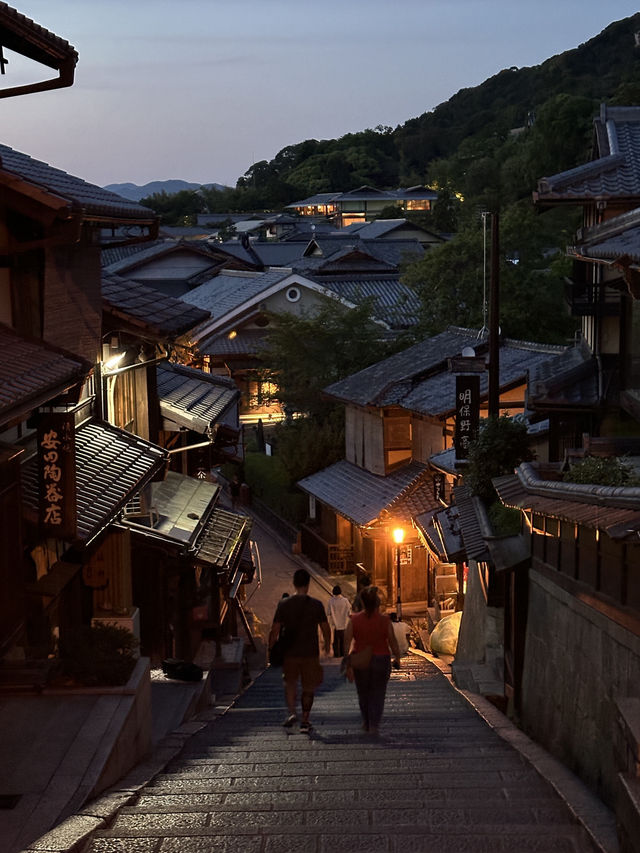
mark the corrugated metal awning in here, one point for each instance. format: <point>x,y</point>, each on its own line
<point>223,539</point>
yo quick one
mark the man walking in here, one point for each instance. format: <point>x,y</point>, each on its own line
<point>338,610</point>
<point>300,616</point>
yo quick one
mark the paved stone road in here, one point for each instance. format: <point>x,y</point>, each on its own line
<point>438,778</point>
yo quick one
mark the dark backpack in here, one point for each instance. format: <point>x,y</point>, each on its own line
<point>182,670</point>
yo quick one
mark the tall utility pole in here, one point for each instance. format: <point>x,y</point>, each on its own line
<point>494,320</point>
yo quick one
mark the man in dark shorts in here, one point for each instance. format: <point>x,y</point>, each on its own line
<point>300,615</point>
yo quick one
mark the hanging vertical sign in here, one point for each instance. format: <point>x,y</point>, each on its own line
<point>438,486</point>
<point>467,413</point>
<point>57,474</point>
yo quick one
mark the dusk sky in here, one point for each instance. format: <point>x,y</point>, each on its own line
<point>201,89</point>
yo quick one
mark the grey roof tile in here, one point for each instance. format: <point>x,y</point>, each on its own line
<point>149,308</point>
<point>81,195</point>
<point>615,170</point>
<point>357,494</point>
<point>618,237</point>
<point>229,290</point>
<point>442,528</point>
<point>393,302</point>
<point>191,398</point>
<point>569,378</point>
<point>611,509</point>
<point>112,257</point>
<point>250,342</point>
<point>111,467</point>
<point>271,253</point>
<point>419,380</point>
<point>368,385</point>
<point>32,372</point>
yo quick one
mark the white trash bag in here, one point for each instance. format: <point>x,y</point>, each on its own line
<point>444,637</point>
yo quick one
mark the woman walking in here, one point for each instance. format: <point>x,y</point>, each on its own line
<point>370,629</point>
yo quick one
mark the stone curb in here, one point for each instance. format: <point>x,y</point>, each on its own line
<point>589,811</point>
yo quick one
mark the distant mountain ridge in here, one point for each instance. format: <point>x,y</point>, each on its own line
<point>134,192</point>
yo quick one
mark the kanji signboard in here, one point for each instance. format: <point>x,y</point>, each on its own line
<point>57,474</point>
<point>467,413</point>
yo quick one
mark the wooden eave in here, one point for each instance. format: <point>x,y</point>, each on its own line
<point>48,208</point>
<point>37,195</point>
<point>21,35</point>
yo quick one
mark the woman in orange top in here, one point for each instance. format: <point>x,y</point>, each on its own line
<point>370,628</point>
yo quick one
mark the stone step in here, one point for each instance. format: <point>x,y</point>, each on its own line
<point>361,811</point>
<point>308,838</point>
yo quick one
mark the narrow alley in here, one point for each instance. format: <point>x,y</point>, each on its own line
<point>437,778</point>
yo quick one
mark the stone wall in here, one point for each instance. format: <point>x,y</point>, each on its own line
<point>578,665</point>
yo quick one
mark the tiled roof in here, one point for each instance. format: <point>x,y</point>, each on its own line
<point>81,196</point>
<point>417,500</point>
<point>148,308</point>
<point>230,290</point>
<point>354,254</point>
<point>569,378</point>
<point>470,511</point>
<point>615,510</point>
<point>270,253</point>
<point>357,494</point>
<point>32,372</point>
<point>250,342</point>
<point>312,200</point>
<point>22,35</point>
<point>117,254</point>
<point>366,193</point>
<point>117,260</point>
<point>442,529</point>
<point>613,239</point>
<point>394,303</point>
<point>435,395</point>
<point>111,467</point>
<point>191,398</point>
<point>366,386</point>
<point>130,257</point>
<point>615,171</point>
<point>419,380</point>
<point>377,228</point>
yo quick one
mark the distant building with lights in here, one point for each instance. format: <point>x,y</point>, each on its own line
<point>364,204</point>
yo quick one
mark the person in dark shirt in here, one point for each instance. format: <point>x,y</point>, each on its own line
<point>300,616</point>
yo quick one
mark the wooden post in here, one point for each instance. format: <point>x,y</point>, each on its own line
<point>494,320</point>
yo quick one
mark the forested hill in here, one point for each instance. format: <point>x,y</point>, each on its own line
<point>561,96</point>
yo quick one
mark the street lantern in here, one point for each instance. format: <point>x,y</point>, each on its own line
<point>398,538</point>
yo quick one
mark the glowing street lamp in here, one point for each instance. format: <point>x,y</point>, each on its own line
<point>398,538</point>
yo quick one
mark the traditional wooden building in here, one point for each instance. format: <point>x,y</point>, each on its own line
<point>364,203</point>
<point>232,342</point>
<point>601,290</point>
<point>399,413</point>
<point>72,470</point>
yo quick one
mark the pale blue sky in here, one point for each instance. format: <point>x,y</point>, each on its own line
<point>201,89</point>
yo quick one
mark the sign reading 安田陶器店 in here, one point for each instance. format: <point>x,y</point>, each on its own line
<point>57,474</point>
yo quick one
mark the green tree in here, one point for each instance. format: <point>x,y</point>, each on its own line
<point>500,447</point>
<point>306,353</point>
<point>453,279</point>
<point>179,208</point>
<point>305,446</point>
<point>602,471</point>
